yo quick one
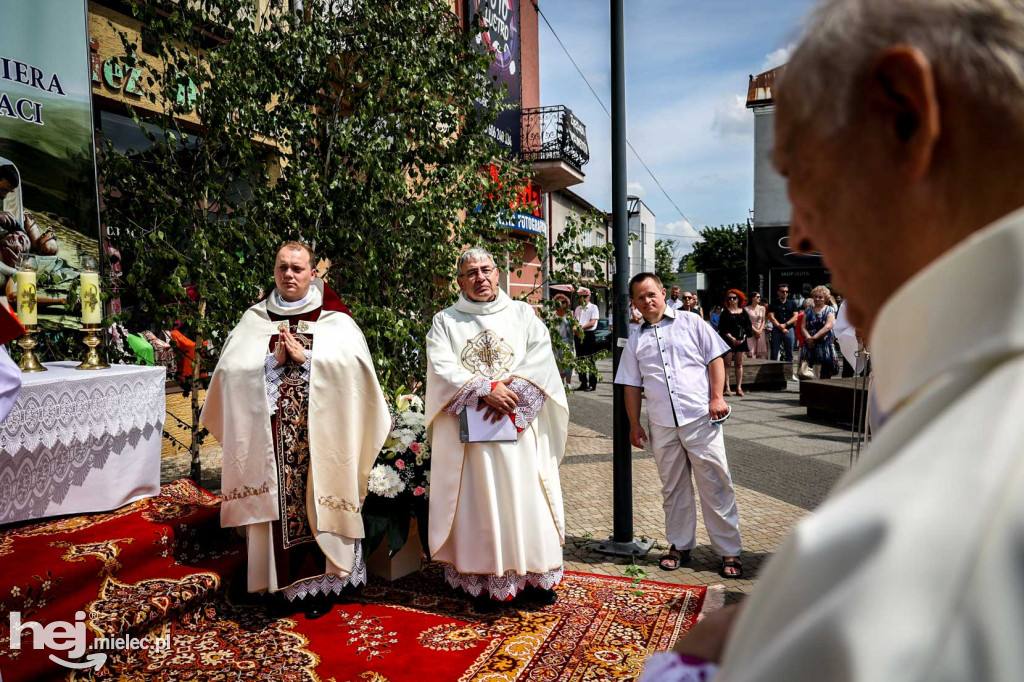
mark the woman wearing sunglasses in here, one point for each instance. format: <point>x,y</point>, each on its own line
<point>734,327</point>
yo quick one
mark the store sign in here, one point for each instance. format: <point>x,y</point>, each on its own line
<point>771,249</point>
<point>502,40</point>
<point>48,200</point>
<point>129,80</point>
<point>525,222</point>
<point>524,208</point>
<point>575,146</point>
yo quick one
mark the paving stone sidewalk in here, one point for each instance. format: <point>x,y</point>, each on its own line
<point>783,465</point>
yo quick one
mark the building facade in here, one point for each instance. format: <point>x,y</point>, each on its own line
<point>641,234</point>
<point>564,205</point>
<point>770,260</point>
<point>551,138</point>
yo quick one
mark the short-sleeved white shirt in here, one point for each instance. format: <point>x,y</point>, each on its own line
<point>585,314</point>
<point>674,305</point>
<point>670,360</point>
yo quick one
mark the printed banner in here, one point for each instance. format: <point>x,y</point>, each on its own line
<point>47,152</point>
<point>502,39</point>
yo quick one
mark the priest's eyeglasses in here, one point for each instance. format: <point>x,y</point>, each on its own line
<point>484,272</point>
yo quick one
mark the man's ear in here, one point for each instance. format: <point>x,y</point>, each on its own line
<point>902,97</point>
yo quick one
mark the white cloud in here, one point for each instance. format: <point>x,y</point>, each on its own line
<point>778,57</point>
<point>732,118</point>
<point>682,231</point>
<point>635,189</point>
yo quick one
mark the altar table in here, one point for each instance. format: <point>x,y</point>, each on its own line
<point>81,441</point>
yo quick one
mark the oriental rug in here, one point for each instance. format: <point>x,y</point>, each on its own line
<point>158,570</point>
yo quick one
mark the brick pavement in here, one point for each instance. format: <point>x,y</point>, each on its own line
<point>783,465</point>
<point>587,492</point>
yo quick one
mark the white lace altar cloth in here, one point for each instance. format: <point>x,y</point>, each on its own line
<point>81,441</point>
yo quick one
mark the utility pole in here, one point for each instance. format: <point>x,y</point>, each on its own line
<point>622,542</point>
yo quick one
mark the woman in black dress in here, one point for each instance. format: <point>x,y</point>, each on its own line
<point>734,327</point>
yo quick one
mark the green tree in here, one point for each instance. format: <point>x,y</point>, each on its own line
<point>359,128</point>
<point>664,260</point>
<point>721,254</point>
<point>575,266</point>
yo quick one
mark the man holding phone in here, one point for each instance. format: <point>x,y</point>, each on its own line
<point>677,359</point>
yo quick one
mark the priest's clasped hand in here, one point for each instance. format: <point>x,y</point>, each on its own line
<point>289,347</point>
<point>500,401</point>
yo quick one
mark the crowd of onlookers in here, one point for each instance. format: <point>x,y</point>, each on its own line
<point>800,325</point>
<point>797,329</point>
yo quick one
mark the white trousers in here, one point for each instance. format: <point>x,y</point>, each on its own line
<point>699,446</point>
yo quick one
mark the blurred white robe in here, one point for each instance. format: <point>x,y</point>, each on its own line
<point>913,569</point>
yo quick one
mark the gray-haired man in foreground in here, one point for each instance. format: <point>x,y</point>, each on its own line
<point>900,130</point>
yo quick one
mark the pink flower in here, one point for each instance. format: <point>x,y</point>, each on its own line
<point>415,447</point>
<point>400,463</point>
<point>419,491</point>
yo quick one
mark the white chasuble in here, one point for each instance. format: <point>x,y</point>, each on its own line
<point>348,422</point>
<point>495,508</point>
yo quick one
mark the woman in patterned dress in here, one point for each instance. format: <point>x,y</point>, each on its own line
<point>819,350</point>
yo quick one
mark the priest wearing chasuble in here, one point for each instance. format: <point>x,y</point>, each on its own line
<point>297,407</point>
<point>496,519</point>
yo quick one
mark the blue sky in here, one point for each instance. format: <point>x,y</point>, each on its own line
<point>687,65</point>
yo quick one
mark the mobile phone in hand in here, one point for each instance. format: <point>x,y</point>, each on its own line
<point>719,422</point>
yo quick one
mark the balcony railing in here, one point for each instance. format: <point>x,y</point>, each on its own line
<point>554,134</point>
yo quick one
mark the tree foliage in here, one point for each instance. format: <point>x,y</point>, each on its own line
<point>575,265</point>
<point>722,256</point>
<point>359,128</point>
<point>664,260</point>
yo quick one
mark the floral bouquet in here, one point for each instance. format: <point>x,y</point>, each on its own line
<point>399,483</point>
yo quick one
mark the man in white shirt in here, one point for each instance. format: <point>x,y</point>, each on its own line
<point>677,359</point>
<point>675,302</point>
<point>587,315</point>
<point>900,130</point>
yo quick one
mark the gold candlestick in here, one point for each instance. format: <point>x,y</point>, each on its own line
<point>29,362</point>
<point>91,338</point>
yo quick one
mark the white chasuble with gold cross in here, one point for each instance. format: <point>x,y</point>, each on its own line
<point>496,517</point>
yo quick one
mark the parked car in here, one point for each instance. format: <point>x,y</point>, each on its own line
<point>603,334</point>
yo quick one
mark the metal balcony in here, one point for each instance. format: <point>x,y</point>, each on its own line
<point>555,141</point>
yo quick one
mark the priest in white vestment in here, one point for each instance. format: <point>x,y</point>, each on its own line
<point>900,130</point>
<point>300,425</point>
<point>496,519</point>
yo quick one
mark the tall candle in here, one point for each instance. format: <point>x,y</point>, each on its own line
<point>92,307</point>
<point>27,310</point>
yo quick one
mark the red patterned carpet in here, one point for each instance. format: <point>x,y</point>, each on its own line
<point>157,568</point>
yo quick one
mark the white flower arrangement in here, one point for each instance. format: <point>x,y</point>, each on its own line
<point>385,481</point>
<point>399,482</point>
<point>412,420</point>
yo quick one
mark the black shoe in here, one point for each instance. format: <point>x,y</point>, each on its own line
<point>278,605</point>
<point>317,606</point>
<point>539,595</point>
<point>582,388</point>
<point>484,604</point>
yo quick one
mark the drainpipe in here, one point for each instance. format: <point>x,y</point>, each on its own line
<point>549,263</point>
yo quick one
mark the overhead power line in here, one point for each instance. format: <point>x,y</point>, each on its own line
<point>599,101</point>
